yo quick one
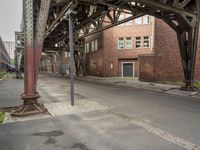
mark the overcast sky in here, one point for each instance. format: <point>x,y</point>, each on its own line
<point>10,18</point>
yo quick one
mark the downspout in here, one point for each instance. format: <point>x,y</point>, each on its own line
<point>153,46</point>
<point>104,55</point>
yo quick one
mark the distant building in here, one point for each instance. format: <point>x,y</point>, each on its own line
<point>10,46</point>
<point>4,56</point>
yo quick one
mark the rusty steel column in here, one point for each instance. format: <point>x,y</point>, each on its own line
<point>30,105</point>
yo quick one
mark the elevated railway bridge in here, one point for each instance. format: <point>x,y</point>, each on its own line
<point>60,25</point>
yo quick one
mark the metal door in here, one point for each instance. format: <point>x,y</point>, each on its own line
<point>127,69</point>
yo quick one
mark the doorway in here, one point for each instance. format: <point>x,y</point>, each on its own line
<point>128,69</point>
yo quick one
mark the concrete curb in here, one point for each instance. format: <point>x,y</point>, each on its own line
<point>168,91</point>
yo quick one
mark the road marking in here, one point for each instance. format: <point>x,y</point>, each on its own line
<point>159,132</point>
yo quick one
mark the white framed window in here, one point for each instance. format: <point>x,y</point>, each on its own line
<point>87,48</point>
<point>138,20</point>
<point>111,65</point>
<point>96,45</point>
<point>121,17</point>
<point>121,43</point>
<point>146,19</point>
<point>66,54</point>
<point>93,46</point>
<point>129,23</point>
<point>138,42</point>
<point>128,43</point>
<point>94,66</point>
<point>146,43</point>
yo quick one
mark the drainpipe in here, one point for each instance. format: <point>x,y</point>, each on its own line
<point>153,46</point>
<point>104,54</point>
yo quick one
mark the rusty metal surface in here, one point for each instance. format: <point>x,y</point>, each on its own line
<point>29,62</point>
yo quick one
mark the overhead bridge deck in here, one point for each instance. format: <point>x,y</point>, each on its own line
<point>47,23</point>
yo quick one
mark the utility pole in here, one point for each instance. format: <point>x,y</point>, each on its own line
<point>71,45</point>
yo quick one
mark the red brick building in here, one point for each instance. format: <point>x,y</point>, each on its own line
<point>118,48</point>
<point>146,48</point>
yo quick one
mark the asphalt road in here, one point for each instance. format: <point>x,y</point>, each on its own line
<point>135,119</point>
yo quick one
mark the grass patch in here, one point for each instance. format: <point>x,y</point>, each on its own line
<point>2,74</point>
<point>179,83</point>
<point>197,84</point>
<point>2,115</point>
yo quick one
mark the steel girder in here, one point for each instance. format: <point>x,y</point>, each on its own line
<point>92,15</point>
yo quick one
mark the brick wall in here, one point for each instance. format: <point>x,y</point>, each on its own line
<point>147,67</point>
<point>117,56</point>
<point>94,60</point>
<point>197,67</point>
<point>168,60</point>
<point>108,59</point>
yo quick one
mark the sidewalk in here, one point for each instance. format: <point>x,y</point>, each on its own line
<point>10,91</point>
<point>135,83</point>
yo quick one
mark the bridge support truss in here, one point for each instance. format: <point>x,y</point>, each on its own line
<point>188,47</point>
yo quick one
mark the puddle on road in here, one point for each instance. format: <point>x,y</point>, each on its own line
<point>51,133</point>
<point>51,139</point>
<point>50,136</point>
<point>79,96</point>
<point>80,146</point>
<point>118,82</point>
